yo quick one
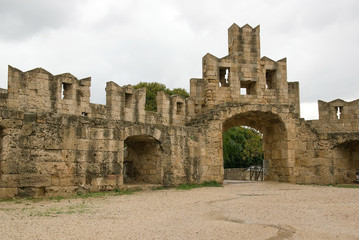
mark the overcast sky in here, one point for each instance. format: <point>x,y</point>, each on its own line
<point>129,41</point>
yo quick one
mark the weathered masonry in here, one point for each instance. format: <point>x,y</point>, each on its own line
<point>53,141</point>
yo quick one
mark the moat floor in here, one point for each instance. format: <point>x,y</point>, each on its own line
<point>256,210</point>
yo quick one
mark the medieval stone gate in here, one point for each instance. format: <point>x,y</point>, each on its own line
<point>53,141</point>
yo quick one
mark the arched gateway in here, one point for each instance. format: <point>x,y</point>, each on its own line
<point>55,142</point>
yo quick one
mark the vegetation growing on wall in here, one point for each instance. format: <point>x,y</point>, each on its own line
<point>151,93</point>
<point>242,147</point>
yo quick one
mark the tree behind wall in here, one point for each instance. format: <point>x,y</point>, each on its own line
<point>151,93</point>
<point>242,147</point>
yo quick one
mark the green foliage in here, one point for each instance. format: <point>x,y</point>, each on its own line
<point>211,184</point>
<point>91,194</point>
<point>347,186</point>
<point>116,192</point>
<point>53,211</point>
<point>180,91</point>
<point>161,188</point>
<point>195,185</point>
<point>151,93</point>
<point>108,193</point>
<point>126,192</point>
<point>58,199</point>
<point>242,147</point>
<point>7,200</point>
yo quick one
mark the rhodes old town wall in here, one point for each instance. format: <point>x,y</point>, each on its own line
<point>53,141</point>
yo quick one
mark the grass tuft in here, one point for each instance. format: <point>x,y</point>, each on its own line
<point>58,199</point>
<point>91,194</point>
<point>53,211</point>
<point>7,200</point>
<point>116,192</point>
<point>195,185</point>
<point>347,185</point>
<point>161,188</point>
<point>126,192</point>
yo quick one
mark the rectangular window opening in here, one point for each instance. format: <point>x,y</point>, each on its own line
<point>270,79</point>
<point>224,74</point>
<point>179,107</point>
<point>248,88</point>
<point>338,112</point>
<point>128,100</point>
<point>66,92</point>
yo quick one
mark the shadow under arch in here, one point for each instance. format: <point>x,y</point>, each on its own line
<point>345,161</point>
<point>275,145</point>
<point>143,160</point>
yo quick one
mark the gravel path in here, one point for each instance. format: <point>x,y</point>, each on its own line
<point>260,210</point>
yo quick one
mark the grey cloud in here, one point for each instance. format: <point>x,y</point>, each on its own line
<point>23,19</point>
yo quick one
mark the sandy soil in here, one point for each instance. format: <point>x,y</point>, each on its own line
<point>261,210</point>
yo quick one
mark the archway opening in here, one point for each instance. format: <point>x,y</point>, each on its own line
<point>346,162</point>
<point>274,141</point>
<point>242,154</point>
<point>142,160</point>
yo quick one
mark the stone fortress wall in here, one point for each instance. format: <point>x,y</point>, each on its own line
<point>53,141</point>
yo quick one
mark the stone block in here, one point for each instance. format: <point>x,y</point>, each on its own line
<point>11,123</point>
<point>34,180</point>
<point>55,191</point>
<point>8,192</point>
<point>112,180</point>
<point>82,145</point>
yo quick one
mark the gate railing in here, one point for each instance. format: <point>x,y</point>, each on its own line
<point>256,173</point>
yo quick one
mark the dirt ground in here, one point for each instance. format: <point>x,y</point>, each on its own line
<point>259,210</point>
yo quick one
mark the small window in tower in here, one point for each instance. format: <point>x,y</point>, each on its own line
<point>66,91</point>
<point>338,112</point>
<point>179,107</point>
<point>224,74</point>
<point>248,88</point>
<point>128,100</point>
<point>270,79</point>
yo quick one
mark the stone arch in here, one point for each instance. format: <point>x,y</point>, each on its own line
<point>140,129</point>
<point>275,145</point>
<point>143,160</point>
<point>345,161</point>
<point>274,122</point>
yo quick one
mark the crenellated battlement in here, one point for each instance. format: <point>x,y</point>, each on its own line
<point>337,116</point>
<point>338,110</point>
<point>38,90</point>
<point>243,76</point>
